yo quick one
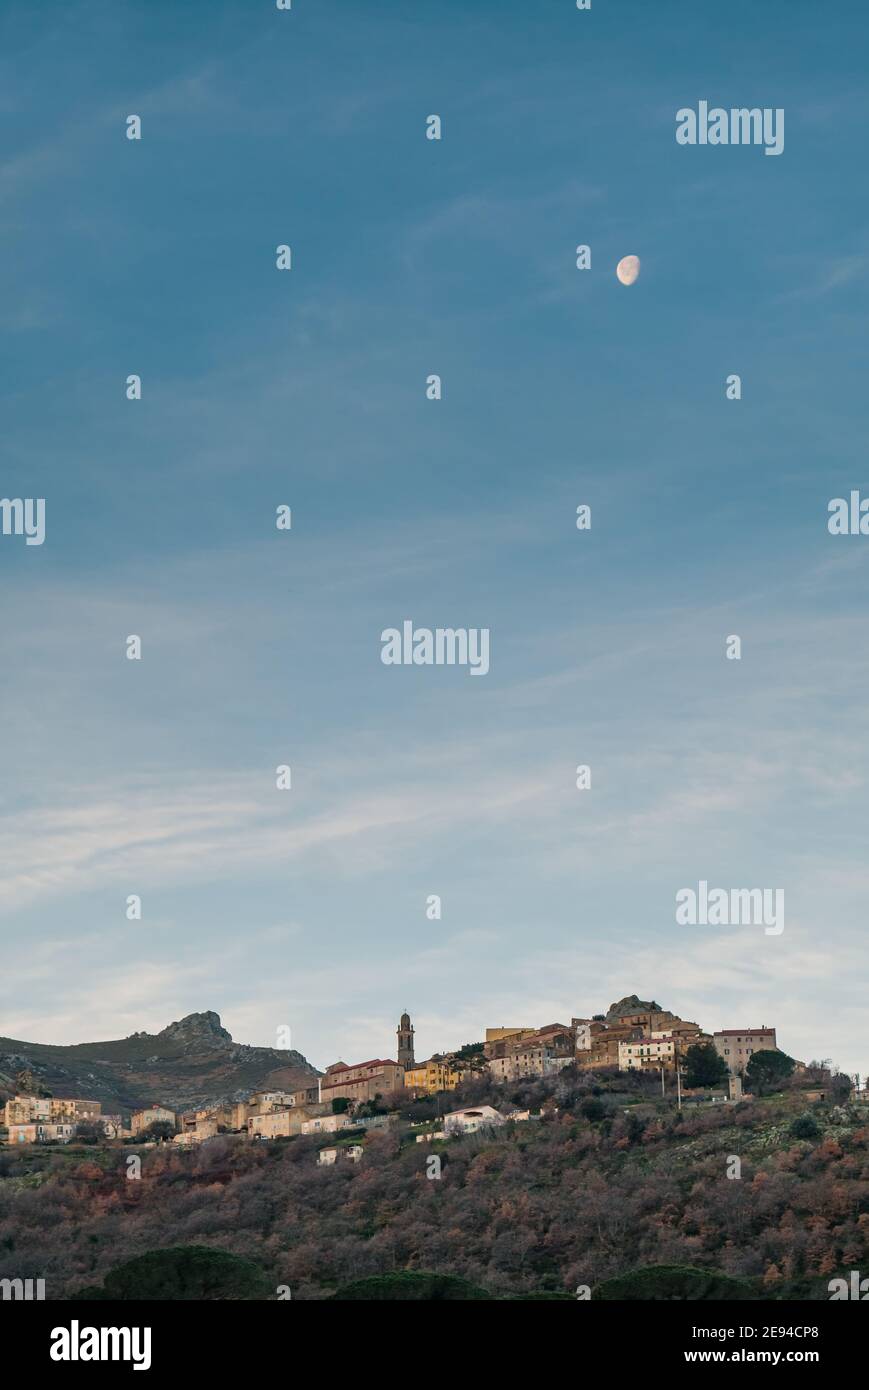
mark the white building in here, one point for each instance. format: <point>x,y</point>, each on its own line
<point>327,1124</point>
<point>660,1051</point>
<point>475,1118</point>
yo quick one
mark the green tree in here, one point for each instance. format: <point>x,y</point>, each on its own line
<point>89,1132</point>
<point>160,1130</point>
<point>661,1283</point>
<point>340,1105</point>
<point>805,1127</point>
<point>766,1070</point>
<point>184,1272</point>
<point>704,1066</point>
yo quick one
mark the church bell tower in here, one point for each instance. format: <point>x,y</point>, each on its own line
<point>404,1033</point>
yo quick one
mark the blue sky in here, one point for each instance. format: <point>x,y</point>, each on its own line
<point>412,257</point>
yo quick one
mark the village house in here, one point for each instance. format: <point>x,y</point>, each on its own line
<point>649,1053</point>
<point>113,1127</point>
<point>533,1060</point>
<point>364,1081</point>
<point>23,1110</point>
<point>473,1119</point>
<point>327,1124</point>
<point>280,1124</point>
<point>427,1078</point>
<point>634,1036</point>
<point>208,1121</point>
<point>736,1045</point>
<point>40,1132</point>
<point>522,1054</point>
<point>276,1124</point>
<point>497,1038</point>
<point>261,1102</point>
<point>152,1114</point>
<point>660,1049</point>
<point>604,1048</point>
<point>307,1095</point>
<point>327,1158</point>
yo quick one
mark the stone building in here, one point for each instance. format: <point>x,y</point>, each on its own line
<point>152,1114</point>
<point>24,1110</point>
<point>736,1045</point>
<point>404,1032</point>
<point>364,1081</point>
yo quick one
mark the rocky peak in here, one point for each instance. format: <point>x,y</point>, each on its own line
<point>632,1004</point>
<point>198,1028</point>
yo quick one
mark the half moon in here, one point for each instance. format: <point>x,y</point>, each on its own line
<point>628,269</point>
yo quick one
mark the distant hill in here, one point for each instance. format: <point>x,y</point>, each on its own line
<point>192,1062</point>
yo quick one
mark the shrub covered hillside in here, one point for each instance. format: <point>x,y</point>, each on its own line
<point>607,1182</point>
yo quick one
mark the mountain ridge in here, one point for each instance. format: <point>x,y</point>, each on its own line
<point>193,1061</point>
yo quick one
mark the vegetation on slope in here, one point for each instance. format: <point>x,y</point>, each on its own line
<point>585,1195</point>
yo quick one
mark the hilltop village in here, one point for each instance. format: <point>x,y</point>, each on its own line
<point>634,1035</point>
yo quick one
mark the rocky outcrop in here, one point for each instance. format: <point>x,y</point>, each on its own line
<point>631,1004</point>
<point>192,1062</point>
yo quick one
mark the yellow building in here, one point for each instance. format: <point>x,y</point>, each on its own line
<point>143,1119</point>
<point>431,1077</point>
<point>278,1124</point>
<point>25,1110</point>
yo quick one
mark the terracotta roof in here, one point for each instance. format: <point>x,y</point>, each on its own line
<point>358,1066</point>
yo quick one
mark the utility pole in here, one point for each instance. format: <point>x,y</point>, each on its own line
<point>679,1083</point>
<point>663,1091</point>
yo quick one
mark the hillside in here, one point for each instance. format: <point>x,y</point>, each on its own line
<point>189,1063</point>
<point>611,1183</point>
